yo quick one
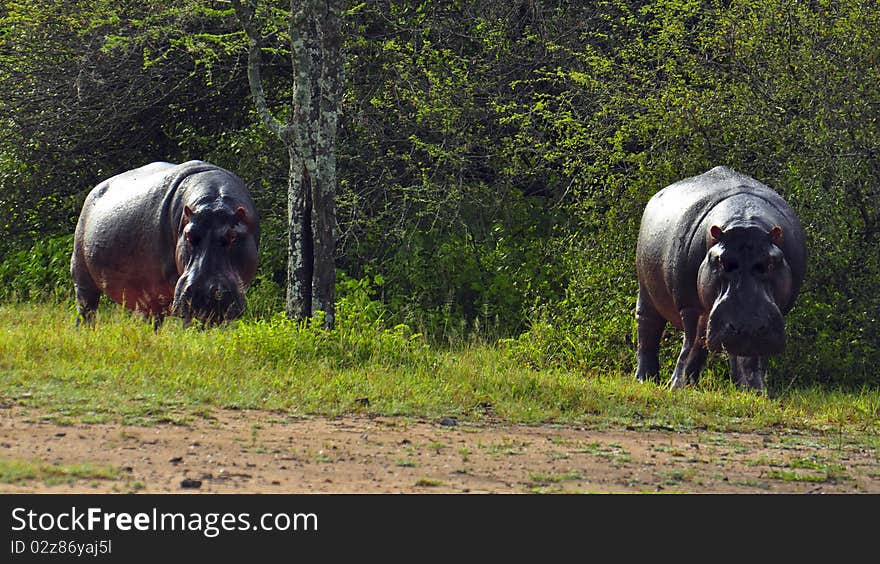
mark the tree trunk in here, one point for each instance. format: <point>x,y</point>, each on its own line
<point>310,136</point>
<point>324,191</point>
<point>300,262</point>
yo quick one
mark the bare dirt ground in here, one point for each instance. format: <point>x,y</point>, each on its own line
<point>265,452</point>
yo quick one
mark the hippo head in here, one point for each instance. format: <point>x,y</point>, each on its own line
<point>745,283</point>
<point>216,258</point>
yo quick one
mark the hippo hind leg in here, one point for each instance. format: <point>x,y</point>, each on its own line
<point>650,326</point>
<point>693,351</point>
<point>748,372</point>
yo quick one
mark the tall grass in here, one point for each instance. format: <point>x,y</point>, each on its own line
<point>122,369</point>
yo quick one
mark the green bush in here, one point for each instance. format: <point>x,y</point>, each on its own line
<point>40,272</point>
<point>360,336</point>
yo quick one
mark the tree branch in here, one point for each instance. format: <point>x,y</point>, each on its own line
<point>245,15</point>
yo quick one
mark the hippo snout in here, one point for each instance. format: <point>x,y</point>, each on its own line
<point>212,302</point>
<point>746,327</point>
<point>759,339</point>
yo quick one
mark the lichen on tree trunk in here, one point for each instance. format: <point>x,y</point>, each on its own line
<point>300,263</point>
<point>310,136</point>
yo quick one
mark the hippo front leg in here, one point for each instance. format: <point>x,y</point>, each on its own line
<point>693,351</point>
<point>86,303</point>
<point>87,298</point>
<point>748,372</point>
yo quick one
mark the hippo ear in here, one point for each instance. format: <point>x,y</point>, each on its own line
<point>714,235</point>
<point>776,236</point>
<point>241,216</point>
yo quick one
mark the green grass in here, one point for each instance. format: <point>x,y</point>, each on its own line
<point>611,451</point>
<point>752,484</point>
<point>122,370</point>
<point>542,478</point>
<point>676,476</point>
<point>542,483</point>
<point>16,470</point>
<point>507,446</point>
<point>793,476</point>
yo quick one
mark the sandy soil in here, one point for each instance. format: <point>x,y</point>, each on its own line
<point>253,452</point>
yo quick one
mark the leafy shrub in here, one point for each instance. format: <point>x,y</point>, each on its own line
<point>40,272</point>
<point>360,335</point>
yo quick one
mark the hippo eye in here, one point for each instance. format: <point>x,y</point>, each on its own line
<point>193,238</point>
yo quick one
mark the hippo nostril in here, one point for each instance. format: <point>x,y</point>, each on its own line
<point>216,292</point>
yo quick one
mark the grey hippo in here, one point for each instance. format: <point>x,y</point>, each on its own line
<point>167,239</point>
<point>721,256</point>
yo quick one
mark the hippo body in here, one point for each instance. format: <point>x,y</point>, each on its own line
<point>722,257</point>
<point>167,239</point>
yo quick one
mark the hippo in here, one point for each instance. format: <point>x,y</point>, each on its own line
<point>721,256</point>
<point>167,239</point>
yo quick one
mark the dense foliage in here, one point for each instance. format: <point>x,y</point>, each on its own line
<point>494,156</point>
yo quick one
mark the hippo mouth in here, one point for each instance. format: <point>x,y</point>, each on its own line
<point>210,314</point>
<point>211,306</point>
<point>747,325</point>
<point>220,313</point>
<point>738,343</point>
